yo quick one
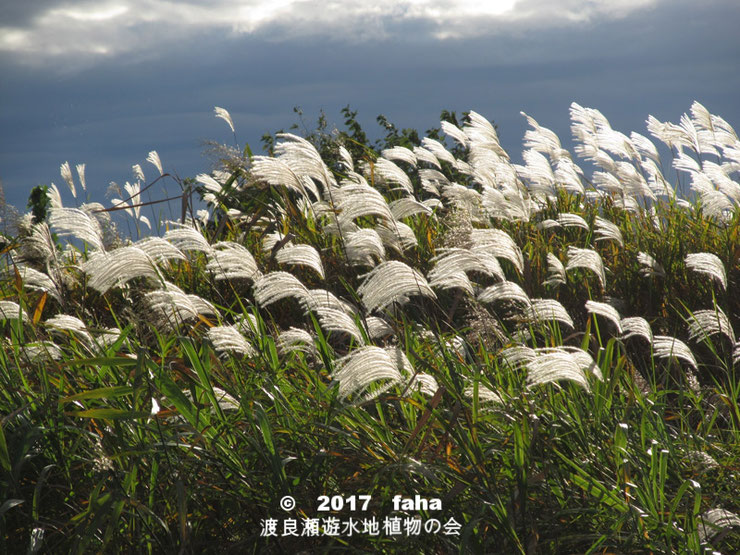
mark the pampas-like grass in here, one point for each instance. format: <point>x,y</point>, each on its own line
<point>334,320</point>
<point>544,310</point>
<point>363,247</point>
<point>451,266</point>
<point>705,323</point>
<point>400,154</point>
<point>499,244</point>
<point>455,132</point>
<point>572,220</point>
<point>671,347</point>
<point>636,326</point>
<point>424,155</point>
<point>606,311</point>
<point>65,322</point>
<point>391,174</point>
<point>554,366</point>
<point>224,115</point>
<point>438,149</point>
<point>278,173</point>
<point>153,158</point>
<point>392,281</point>
<point>607,231</point>
<point>296,340</point>
<point>588,259</point>
<point>301,255</point>
<point>506,290</point>
<point>230,339</point>
<point>406,207</point>
<point>34,279</point>
<point>357,371</point>
<point>115,268</point>
<point>228,260</point>
<point>707,263</point>
<point>170,307</point>
<point>425,383</point>
<point>66,172</point>
<point>159,250</point>
<point>714,521</point>
<point>556,271</point>
<point>188,239</point>
<point>12,311</point>
<point>77,223</point>
<point>357,200</point>
<point>275,286</point>
<point>650,266</point>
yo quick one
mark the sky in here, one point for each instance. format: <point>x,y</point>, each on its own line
<point>105,82</point>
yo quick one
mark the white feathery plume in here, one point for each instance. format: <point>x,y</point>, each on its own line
<point>425,383</point>
<point>40,281</point>
<point>11,311</point>
<point>81,174</point>
<point>224,115</point>
<point>138,172</point>
<point>572,220</point>
<point>607,231</point>
<point>406,207</point>
<point>77,223</point>
<point>378,328</point>
<point>463,198</point>
<point>606,311</point>
<point>424,155</point>
<point>588,259</point>
<point>391,281</point>
<point>455,132</point>
<point>506,290</point>
<point>548,224</point>
<point>357,371</point>
<point>650,266</point>
<point>707,263</point>
<point>605,181</point>
<point>485,395</point>
<point>538,172</point>
<point>483,136</point>
<point>451,265</point>
<point>636,326</point>
<point>55,198</point>
<point>683,162</point>
<point>438,149</point>
<point>355,201</point>
<point>209,183</point>
<point>304,159</point>
<point>568,176</point>
<point>275,286</point>
<point>389,173</point>
<point>65,322</point>
<point>301,255</point>
<point>107,337</point>
<point>555,269</point>
<point>346,158</point>
<point>153,159</point>
<point>585,361</point>
<point>667,347</point>
<point>115,268</point>
<point>499,244</point>
<point>229,338</point>
<point>704,323</point>
<point>171,306</point>
<point>397,235</point>
<point>188,239</point>
<point>39,244</point>
<point>720,177</point>
<point>633,182</point>
<point>553,366</point>
<point>278,173</point>
<point>331,319</point>
<point>543,310</point>
<point>645,147</point>
<point>400,154</point>
<point>433,180</point>
<point>543,140</point>
<point>159,249</point>
<point>40,351</point>
<point>230,260</point>
<point>364,247</point>
<point>714,521</point>
<point>518,356</point>
<point>66,172</point>
<point>318,299</point>
<point>669,133</point>
<point>294,339</point>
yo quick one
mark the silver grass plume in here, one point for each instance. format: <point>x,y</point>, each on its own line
<point>588,259</point>
<point>438,149</point>
<point>363,247</point>
<point>188,239</point>
<point>432,180</point>
<point>607,231</point>
<point>72,324</point>
<point>115,268</point>
<point>548,367</point>
<point>707,263</point>
<point>41,351</point>
<point>296,340</point>
<point>81,174</point>
<point>636,326</point>
<point>357,371</point>
<point>377,328</point>
<point>54,196</point>
<point>486,395</point>
<point>389,174</point>
<point>77,223</point>
<point>451,265</point>
<point>572,220</point>
<point>278,173</point>
<point>455,132</point>
<point>517,356</point>
<point>66,172</point>
<point>397,235</point>
<point>543,140</point>
<point>543,310</point>
<point>556,271</point>
<point>301,255</point>
<point>391,281</point>
<point>153,159</point>
<point>650,266</point>
<point>704,323</point>
<point>714,521</point>
<point>317,299</point>
<point>606,311</point>
<point>355,201</point>
<point>230,339</point>
<point>138,172</point>
<point>304,160</point>
<point>499,244</point>
<point>504,291</point>
<point>159,250</point>
<point>670,347</point>
<point>406,207</point>
<point>40,281</point>
<point>346,158</point>
<point>230,260</point>
<point>275,286</point>
<point>171,306</point>
<point>12,311</point>
<point>333,320</point>
<point>224,115</point>
<point>399,154</point>
<point>424,383</point>
<point>424,155</point>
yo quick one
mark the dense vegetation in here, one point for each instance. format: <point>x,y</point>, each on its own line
<point>551,355</point>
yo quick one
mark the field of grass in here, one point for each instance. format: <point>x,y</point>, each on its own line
<point>549,352</point>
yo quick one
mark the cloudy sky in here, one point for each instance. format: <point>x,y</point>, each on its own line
<point>105,82</point>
